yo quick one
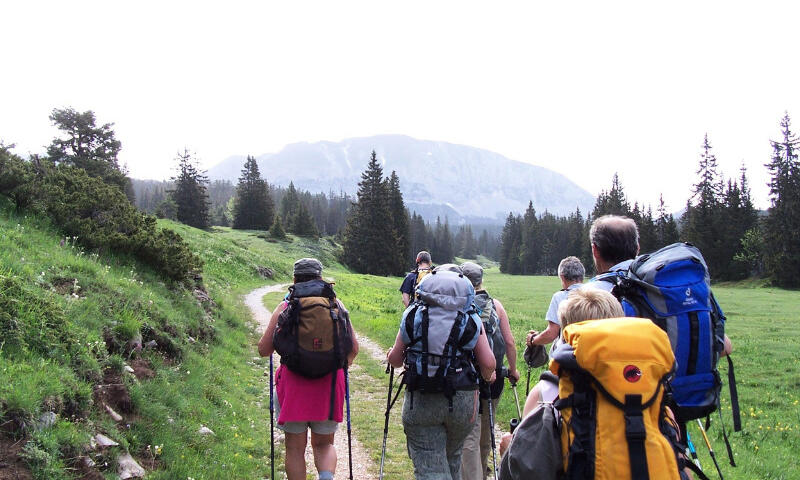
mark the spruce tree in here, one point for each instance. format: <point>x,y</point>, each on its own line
<point>703,217</point>
<point>190,194</point>
<point>399,218</point>
<point>254,208</point>
<point>302,223</point>
<point>612,202</point>
<point>782,225</point>
<point>276,230</point>
<point>290,204</point>
<point>510,245</point>
<point>368,245</point>
<point>666,228</point>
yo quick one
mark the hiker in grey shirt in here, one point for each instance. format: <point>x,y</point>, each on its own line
<point>571,273</point>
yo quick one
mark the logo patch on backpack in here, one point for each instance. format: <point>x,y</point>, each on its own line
<point>317,343</point>
<point>632,373</point>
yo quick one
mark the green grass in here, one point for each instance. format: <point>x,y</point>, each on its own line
<point>69,303</point>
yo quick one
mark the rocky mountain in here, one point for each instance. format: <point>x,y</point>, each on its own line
<point>437,178</point>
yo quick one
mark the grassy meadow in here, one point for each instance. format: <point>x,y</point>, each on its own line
<point>67,315</point>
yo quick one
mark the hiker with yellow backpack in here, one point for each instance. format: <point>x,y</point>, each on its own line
<point>413,278</point>
<point>607,384</point>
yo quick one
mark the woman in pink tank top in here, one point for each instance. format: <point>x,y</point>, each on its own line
<point>305,403</point>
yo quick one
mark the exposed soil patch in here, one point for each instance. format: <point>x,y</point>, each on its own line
<point>141,369</point>
<point>114,393</point>
<point>63,286</point>
<point>12,467</point>
<point>86,472</point>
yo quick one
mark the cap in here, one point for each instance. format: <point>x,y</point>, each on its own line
<point>473,272</point>
<point>307,266</point>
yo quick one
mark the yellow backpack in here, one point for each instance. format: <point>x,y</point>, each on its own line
<point>611,397</point>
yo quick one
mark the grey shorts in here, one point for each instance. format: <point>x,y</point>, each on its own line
<point>325,427</point>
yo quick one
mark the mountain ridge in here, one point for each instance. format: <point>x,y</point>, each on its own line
<point>482,184</point>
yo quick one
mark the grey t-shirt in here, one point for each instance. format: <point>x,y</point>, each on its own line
<point>558,297</point>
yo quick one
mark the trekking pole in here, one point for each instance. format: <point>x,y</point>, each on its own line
<point>491,431</point>
<point>692,450</point>
<point>528,383</point>
<point>390,371</point>
<point>710,450</point>
<point>515,421</point>
<point>349,432</point>
<point>271,425</point>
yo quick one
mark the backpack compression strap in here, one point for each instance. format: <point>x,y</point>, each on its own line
<point>336,351</point>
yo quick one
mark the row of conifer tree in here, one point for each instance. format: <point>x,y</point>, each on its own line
<point>380,236</point>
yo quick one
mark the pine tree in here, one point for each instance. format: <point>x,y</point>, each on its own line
<point>253,209</point>
<point>666,228</point>
<point>782,226</point>
<point>368,245</point>
<point>531,245</point>
<point>276,230</point>
<point>704,211</point>
<point>302,223</point>
<point>612,202</point>
<point>399,217</point>
<point>89,147</point>
<point>290,204</point>
<point>445,251</point>
<point>510,245</point>
<point>190,194</point>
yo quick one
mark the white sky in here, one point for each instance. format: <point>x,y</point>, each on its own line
<point>583,88</point>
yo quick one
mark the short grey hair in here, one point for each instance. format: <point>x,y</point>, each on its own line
<point>571,269</point>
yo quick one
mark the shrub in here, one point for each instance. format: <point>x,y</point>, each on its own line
<point>102,218</point>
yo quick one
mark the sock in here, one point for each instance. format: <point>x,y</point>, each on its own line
<point>325,475</point>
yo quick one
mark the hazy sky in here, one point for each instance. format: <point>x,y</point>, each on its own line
<point>583,88</point>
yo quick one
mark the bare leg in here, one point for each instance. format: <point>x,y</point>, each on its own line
<point>295,462</point>
<point>324,452</point>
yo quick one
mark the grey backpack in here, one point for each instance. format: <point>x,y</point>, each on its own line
<point>441,329</point>
<point>535,449</point>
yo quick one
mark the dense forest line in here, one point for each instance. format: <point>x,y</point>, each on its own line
<point>81,186</point>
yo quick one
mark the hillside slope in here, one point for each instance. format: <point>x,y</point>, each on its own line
<point>72,321</point>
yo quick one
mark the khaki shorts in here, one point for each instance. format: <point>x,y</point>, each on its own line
<point>325,427</point>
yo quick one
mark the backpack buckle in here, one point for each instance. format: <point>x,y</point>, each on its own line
<point>634,426</point>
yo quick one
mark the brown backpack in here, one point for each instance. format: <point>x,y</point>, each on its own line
<point>313,333</point>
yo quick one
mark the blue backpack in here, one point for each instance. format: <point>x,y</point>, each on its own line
<point>672,287</point>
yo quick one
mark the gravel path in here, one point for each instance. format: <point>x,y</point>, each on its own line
<point>363,467</point>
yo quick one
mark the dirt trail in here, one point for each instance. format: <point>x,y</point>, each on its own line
<point>363,467</point>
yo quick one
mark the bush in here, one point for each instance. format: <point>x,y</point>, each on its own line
<point>102,218</point>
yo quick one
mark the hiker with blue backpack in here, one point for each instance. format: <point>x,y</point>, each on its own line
<point>671,287</point>
<point>311,331</point>
<point>478,445</point>
<point>443,346</point>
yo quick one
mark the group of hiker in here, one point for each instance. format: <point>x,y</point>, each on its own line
<point>634,359</point>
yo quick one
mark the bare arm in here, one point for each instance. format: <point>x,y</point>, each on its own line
<point>265,347</point>
<point>728,347</point>
<point>352,355</point>
<point>406,299</point>
<point>485,358</point>
<point>397,352</point>
<point>532,401</point>
<point>547,336</point>
<point>511,347</point>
